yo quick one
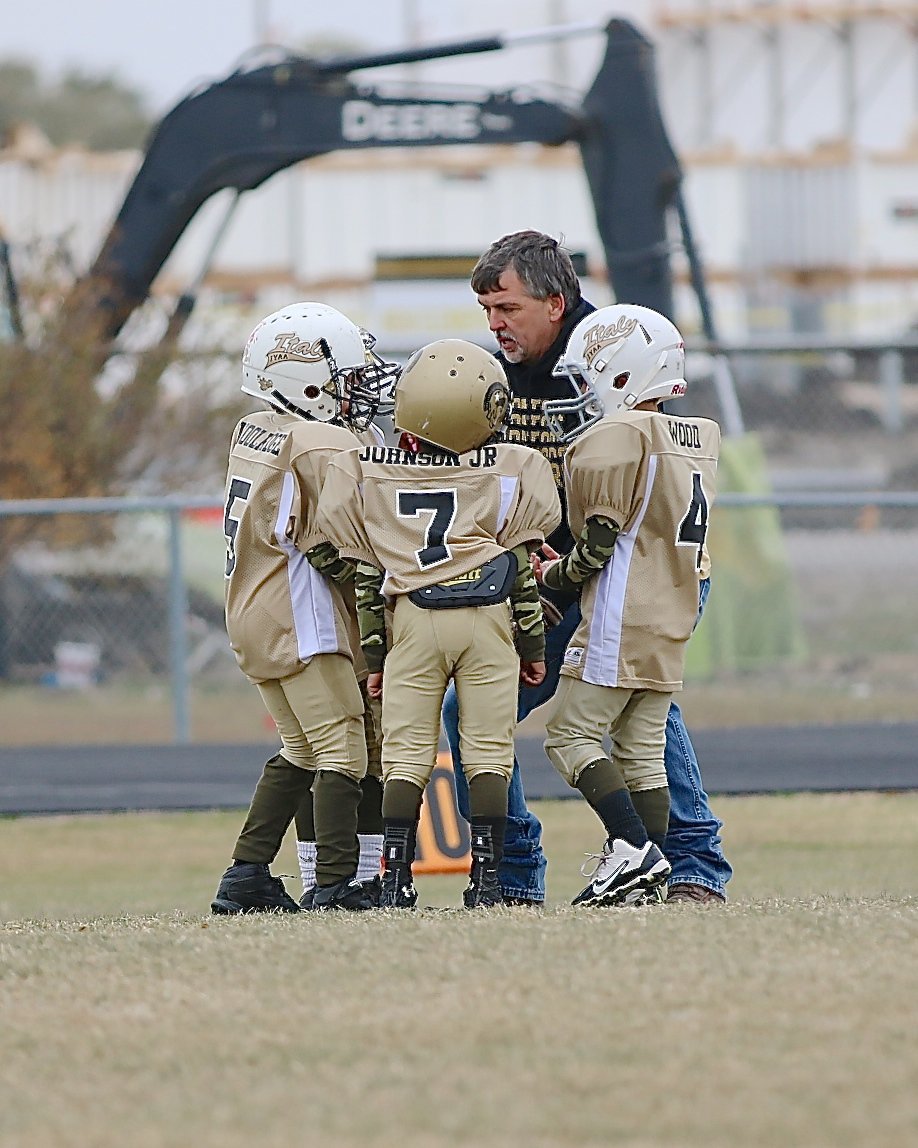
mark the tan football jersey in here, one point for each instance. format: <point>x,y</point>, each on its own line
<point>653,474</point>
<point>427,518</point>
<point>280,611</point>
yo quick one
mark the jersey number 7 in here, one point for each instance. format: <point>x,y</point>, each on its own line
<point>441,505</point>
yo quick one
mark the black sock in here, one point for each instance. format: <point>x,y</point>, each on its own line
<point>399,843</point>
<point>305,820</point>
<point>369,811</point>
<point>488,795</point>
<point>401,801</point>
<point>488,840</point>
<point>652,806</point>
<point>274,804</point>
<point>602,783</point>
<point>335,799</point>
<point>621,818</point>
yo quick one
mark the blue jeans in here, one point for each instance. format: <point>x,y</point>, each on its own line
<point>693,841</point>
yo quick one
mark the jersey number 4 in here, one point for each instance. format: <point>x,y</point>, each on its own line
<point>693,528</point>
<point>441,506</point>
<point>238,492</point>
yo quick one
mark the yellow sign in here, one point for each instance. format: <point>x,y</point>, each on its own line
<point>443,836</point>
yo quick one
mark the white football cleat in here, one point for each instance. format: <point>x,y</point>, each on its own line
<point>623,874</point>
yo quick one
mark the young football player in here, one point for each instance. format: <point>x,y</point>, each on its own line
<point>444,533</point>
<point>639,485</point>
<point>289,614</point>
<point>369,811</point>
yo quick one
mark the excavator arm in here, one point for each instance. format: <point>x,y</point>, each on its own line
<point>240,131</point>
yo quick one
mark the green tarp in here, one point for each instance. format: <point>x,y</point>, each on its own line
<point>751,619</point>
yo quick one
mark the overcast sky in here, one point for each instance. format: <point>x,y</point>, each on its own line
<point>166,47</point>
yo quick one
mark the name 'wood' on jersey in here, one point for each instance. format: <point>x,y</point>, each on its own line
<point>428,518</point>
<point>654,475</point>
<point>280,611</point>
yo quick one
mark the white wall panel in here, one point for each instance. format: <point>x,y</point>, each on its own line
<point>887,231</point>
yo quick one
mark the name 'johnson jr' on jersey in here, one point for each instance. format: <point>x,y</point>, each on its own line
<point>429,517</point>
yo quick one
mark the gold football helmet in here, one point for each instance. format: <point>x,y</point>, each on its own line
<point>452,394</point>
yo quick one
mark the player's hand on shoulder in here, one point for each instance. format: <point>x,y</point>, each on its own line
<point>532,673</point>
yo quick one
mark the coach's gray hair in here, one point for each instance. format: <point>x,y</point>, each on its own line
<point>543,265</point>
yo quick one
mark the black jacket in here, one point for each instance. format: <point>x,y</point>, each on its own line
<point>532,384</point>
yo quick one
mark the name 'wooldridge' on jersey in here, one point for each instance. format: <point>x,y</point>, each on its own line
<point>260,439</point>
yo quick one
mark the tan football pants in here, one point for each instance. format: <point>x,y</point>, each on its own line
<point>320,716</point>
<point>473,645</point>
<point>583,715</point>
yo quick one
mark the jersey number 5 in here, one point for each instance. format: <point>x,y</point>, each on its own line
<point>693,528</point>
<point>441,506</point>
<point>238,491</point>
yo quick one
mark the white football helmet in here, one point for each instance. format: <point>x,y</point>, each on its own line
<point>616,358</point>
<point>310,360</point>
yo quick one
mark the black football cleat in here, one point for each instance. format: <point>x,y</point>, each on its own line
<point>398,891</point>
<point>348,894</point>
<point>483,890</point>
<point>373,887</point>
<point>247,887</point>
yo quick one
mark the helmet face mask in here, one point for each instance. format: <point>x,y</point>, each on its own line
<point>566,418</point>
<point>378,378</point>
<point>616,358</point>
<point>453,395</point>
<point>310,360</point>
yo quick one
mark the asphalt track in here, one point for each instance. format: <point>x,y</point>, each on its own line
<point>53,780</point>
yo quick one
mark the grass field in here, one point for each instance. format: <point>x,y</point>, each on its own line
<point>130,1016</point>
<point>138,714</point>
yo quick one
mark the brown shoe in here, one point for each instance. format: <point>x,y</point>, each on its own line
<point>698,894</point>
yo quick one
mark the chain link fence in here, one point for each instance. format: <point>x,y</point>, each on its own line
<point>813,617</point>
<point>111,612</point>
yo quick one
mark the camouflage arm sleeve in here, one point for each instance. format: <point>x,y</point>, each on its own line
<point>591,552</point>
<point>325,558</point>
<point>371,615</point>
<point>527,610</point>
